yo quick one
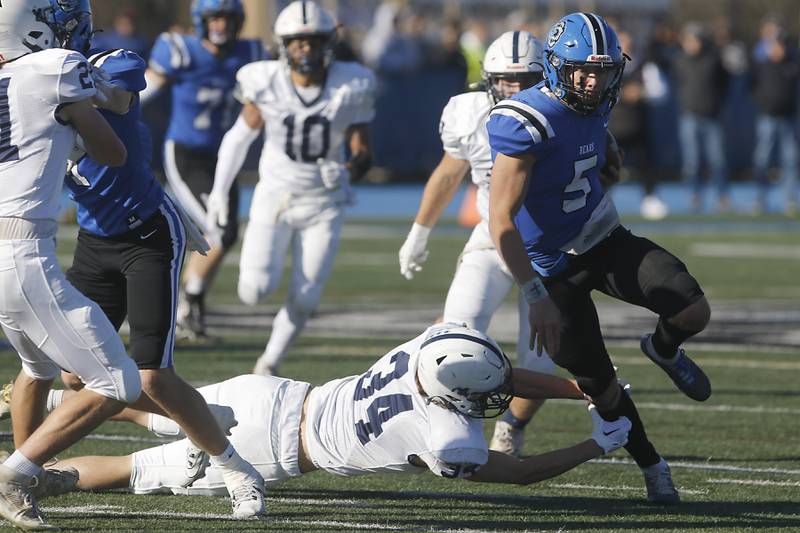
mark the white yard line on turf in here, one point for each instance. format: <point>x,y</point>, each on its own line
<point>706,466</point>
<point>616,488</point>
<point>759,482</point>
<point>114,511</point>
<point>101,436</point>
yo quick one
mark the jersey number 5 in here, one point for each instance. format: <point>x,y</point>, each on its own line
<point>382,408</point>
<point>8,151</point>
<point>579,183</point>
<point>316,125</point>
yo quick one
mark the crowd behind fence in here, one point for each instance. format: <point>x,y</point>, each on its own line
<point>699,103</point>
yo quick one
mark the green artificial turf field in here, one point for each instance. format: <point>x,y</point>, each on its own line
<point>735,458</point>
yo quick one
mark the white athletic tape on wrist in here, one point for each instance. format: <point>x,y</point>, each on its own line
<point>534,290</point>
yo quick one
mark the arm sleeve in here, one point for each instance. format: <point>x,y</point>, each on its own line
<point>516,128</point>
<point>170,55</point>
<point>232,153</point>
<point>448,131</point>
<point>75,80</point>
<point>456,444</point>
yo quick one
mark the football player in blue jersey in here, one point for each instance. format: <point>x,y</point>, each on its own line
<point>201,70</point>
<point>560,234</point>
<point>128,259</point>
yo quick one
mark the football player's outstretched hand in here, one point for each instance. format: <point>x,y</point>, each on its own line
<point>414,251</point>
<point>609,435</point>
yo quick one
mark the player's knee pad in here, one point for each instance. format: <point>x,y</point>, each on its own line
<point>530,360</point>
<point>252,288</point>
<point>121,383</point>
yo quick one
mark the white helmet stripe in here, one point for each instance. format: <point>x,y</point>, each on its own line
<point>598,33</point>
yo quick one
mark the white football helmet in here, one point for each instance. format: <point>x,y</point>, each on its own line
<point>515,56</point>
<point>26,26</point>
<point>462,369</point>
<point>304,18</point>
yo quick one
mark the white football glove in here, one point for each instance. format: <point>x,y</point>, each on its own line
<point>609,436</point>
<point>334,175</point>
<point>216,212</point>
<point>414,251</point>
<point>195,241</point>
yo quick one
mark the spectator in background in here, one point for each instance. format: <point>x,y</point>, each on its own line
<point>387,48</point>
<point>701,82</point>
<point>125,34</point>
<point>628,123</point>
<point>473,45</point>
<point>775,85</point>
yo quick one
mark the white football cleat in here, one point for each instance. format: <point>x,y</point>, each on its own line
<point>5,400</point>
<point>653,208</point>
<point>246,488</point>
<point>17,503</point>
<point>507,439</point>
<point>196,463</point>
<point>660,488</point>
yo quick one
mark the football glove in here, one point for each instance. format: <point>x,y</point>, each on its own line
<point>609,435</point>
<point>414,251</point>
<point>334,174</point>
<point>194,236</point>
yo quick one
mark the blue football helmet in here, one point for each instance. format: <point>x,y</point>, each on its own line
<point>71,22</point>
<point>203,9</point>
<point>584,63</point>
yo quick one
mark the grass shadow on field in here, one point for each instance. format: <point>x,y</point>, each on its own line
<point>512,513</point>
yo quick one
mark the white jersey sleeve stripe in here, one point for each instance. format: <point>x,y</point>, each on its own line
<point>508,112</point>
<point>540,118</point>
<point>180,57</point>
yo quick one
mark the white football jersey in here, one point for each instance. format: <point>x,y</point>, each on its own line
<point>463,132</point>
<point>300,131</point>
<point>34,143</point>
<point>378,421</point>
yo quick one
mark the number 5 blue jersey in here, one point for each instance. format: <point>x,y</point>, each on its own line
<point>564,184</point>
<point>203,106</point>
<point>114,200</point>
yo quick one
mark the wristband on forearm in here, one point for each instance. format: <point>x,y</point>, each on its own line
<point>534,290</point>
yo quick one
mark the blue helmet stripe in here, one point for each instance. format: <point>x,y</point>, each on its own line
<point>515,48</point>
<point>305,17</point>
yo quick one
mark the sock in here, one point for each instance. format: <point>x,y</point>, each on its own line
<point>22,465</point>
<point>227,457</point>
<point>667,338</point>
<point>656,467</point>
<point>54,399</point>
<point>640,448</point>
<point>195,285</point>
<point>516,423</point>
<point>163,426</point>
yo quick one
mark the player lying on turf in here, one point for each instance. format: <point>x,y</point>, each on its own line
<point>418,407</point>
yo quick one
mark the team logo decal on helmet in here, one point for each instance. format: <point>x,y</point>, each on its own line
<point>555,33</point>
<point>464,370</point>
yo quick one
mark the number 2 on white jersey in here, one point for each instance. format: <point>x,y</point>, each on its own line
<point>579,183</point>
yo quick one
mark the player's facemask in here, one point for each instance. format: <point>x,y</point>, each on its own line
<point>308,54</point>
<point>225,37</point>
<point>502,86</point>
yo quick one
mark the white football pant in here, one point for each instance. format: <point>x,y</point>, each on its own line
<point>52,325</point>
<point>311,228</point>
<point>268,411</point>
